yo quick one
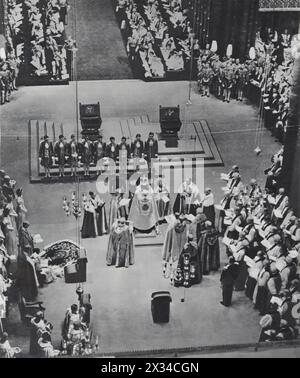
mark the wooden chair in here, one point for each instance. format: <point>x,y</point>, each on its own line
<point>29,309</point>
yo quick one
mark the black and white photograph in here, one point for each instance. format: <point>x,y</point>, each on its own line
<point>149,181</point>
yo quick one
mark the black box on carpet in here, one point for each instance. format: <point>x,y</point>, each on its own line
<point>160,306</point>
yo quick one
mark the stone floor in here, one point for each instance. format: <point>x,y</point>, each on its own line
<point>121,297</point>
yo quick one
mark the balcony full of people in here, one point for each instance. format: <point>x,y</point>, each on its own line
<point>36,42</point>
<point>157,35</point>
<point>265,77</point>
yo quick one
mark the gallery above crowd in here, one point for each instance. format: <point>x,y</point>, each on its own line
<point>265,77</point>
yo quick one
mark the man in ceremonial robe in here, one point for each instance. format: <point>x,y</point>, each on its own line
<point>86,154</point>
<point>123,150</point>
<point>119,206</point>
<point>143,211</point>
<point>151,148</point>
<point>99,151</point>
<point>208,204</point>
<point>25,238</point>
<point>89,224</point>
<point>60,153</point>
<point>137,147</point>
<point>112,149</point>
<point>120,252</point>
<point>175,239</point>
<point>101,220</point>
<point>189,267</point>
<point>73,151</point>
<point>187,199</point>
<point>46,154</point>
<point>209,248</point>
<point>27,279</point>
<point>162,198</point>
<point>198,225</point>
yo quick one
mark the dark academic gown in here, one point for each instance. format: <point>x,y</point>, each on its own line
<point>151,149</point>
<point>228,276</point>
<point>89,225</point>
<point>26,277</point>
<point>209,251</point>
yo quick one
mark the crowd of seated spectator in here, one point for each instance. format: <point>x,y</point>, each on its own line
<point>158,35</point>
<point>262,236</point>
<point>10,57</point>
<point>273,76</point>
<point>46,22</point>
<point>36,39</point>
<point>269,72</point>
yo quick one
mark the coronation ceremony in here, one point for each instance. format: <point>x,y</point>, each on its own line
<point>149,179</point>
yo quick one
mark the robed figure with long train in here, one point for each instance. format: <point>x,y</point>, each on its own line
<point>120,251</point>
<point>209,248</point>
<point>175,238</point>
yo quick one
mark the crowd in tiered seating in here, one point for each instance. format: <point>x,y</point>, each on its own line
<point>36,39</point>
<point>267,75</point>
<point>262,236</point>
<point>48,45</point>
<point>10,59</point>
<point>158,35</point>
